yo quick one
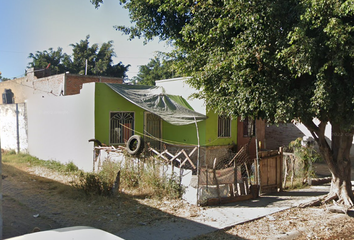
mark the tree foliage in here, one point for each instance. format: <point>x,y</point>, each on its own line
<point>278,60</point>
<point>99,60</point>
<point>156,69</point>
<point>55,59</point>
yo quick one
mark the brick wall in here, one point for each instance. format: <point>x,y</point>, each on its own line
<point>73,82</point>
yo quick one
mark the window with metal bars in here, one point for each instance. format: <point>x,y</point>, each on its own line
<point>121,127</point>
<point>224,126</point>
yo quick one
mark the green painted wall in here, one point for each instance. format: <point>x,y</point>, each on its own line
<point>106,101</point>
<point>212,138</point>
<point>186,134</point>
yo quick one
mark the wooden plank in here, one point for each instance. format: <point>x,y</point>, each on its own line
<point>158,154</point>
<point>187,159</point>
<point>176,156</point>
<point>173,157</point>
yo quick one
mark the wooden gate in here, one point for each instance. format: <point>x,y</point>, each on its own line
<point>270,168</point>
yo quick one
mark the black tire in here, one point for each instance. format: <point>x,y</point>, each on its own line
<point>135,145</point>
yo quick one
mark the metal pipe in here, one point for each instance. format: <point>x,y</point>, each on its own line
<point>198,157</point>
<point>17,130</point>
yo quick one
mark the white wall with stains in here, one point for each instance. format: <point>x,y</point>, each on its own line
<point>13,127</point>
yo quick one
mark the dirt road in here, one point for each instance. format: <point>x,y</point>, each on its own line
<point>31,201</point>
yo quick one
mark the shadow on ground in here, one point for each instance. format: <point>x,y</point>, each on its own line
<point>34,202</point>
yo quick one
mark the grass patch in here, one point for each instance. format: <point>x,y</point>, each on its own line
<point>141,178</point>
<point>22,159</point>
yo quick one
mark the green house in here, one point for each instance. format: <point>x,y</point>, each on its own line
<point>164,121</point>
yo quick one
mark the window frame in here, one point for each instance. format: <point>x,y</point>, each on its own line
<point>123,139</point>
<point>224,126</point>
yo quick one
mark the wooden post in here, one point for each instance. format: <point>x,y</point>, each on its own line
<point>115,188</point>
<point>280,169</point>
<point>216,180</point>
<point>285,170</point>
<point>292,170</point>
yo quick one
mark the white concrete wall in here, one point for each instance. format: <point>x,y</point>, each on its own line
<point>178,86</point>
<point>13,129</point>
<point>59,127</point>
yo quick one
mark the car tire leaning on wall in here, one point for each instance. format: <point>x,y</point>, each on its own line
<point>135,145</point>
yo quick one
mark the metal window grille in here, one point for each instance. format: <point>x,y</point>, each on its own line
<point>224,126</point>
<point>121,127</point>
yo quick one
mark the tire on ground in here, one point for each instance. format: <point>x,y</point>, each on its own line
<point>135,145</point>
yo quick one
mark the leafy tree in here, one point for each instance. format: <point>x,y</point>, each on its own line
<point>99,60</point>
<point>155,70</point>
<point>55,59</point>
<point>279,60</point>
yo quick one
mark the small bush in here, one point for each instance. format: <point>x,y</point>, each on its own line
<point>100,183</point>
<point>11,152</point>
<point>92,184</point>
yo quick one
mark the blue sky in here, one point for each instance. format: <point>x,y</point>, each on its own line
<point>27,26</point>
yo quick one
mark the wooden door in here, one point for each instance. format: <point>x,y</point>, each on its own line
<point>270,167</point>
<point>152,131</point>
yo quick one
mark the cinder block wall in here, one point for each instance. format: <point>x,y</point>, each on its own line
<point>281,135</point>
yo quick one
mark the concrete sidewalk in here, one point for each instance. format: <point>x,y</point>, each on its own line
<point>214,218</point>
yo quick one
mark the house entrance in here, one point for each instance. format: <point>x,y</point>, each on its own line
<point>152,131</point>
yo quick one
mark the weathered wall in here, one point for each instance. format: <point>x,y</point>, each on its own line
<point>59,127</point>
<point>74,82</point>
<point>13,127</point>
<point>55,85</point>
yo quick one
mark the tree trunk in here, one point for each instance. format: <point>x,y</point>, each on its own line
<point>341,185</point>
<point>337,157</point>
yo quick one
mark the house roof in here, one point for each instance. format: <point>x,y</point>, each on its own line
<point>171,108</point>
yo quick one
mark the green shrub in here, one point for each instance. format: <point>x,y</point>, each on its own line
<point>306,156</point>
<point>93,184</point>
<point>11,152</point>
<point>71,167</point>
